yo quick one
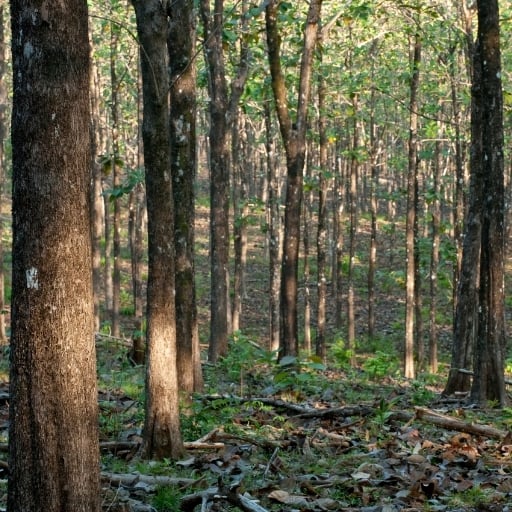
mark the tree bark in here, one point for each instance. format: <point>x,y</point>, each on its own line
<point>487,146</point>
<point>410,309</point>
<point>162,436</point>
<point>4,102</point>
<point>274,232</point>
<point>181,43</point>
<point>294,138</point>
<point>321,235</point>
<point>222,109</point>
<point>53,432</point>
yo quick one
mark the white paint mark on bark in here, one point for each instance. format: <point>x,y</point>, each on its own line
<point>32,279</point>
<point>28,50</point>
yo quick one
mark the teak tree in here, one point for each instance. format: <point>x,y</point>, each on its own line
<point>53,432</point>
<point>182,75</point>
<point>162,436</point>
<point>487,170</point>
<point>479,318</point>
<point>293,134</point>
<point>223,105</point>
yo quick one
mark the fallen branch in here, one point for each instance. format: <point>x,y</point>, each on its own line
<point>130,479</point>
<point>442,420</point>
<point>190,502</point>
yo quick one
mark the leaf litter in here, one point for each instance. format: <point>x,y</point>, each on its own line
<point>304,448</point>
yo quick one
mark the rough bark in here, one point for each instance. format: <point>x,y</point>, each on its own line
<point>487,136</point>
<point>161,436</point>
<point>53,433</point>
<point>181,44</point>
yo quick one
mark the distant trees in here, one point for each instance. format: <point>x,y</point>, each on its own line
<point>53,432</point>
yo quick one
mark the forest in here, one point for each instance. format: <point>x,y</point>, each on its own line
<point>255,255</point>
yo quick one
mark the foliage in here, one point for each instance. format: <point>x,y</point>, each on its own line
<point>381,365</point>
<point>166,499</point>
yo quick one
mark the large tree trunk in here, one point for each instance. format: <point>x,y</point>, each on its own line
<point>162,437</point>
<point>487,146</point>
<point>294,139</point>
<point>181,43</point>
<point>53,433</point>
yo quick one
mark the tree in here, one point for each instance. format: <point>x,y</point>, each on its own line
<point>162,436</point>
<point>488,207</point>
<point>293,134</point>
<point>182,73</point>
<point>53,433</point>
<point>479,315</point>
<point>412,212</point>
<point>222,112</point>
<point>4,102</point>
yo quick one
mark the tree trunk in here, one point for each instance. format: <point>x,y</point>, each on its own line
<point>352,187</point>
<point>410,309</point>
<point>136,230</point>
<point>321,235</point>
<point>294,138</point>
<point>162,436</point>
<point>222,109</point>
<point>487,147</point>
<point>240,215</point>
<point>274,232</point>
<point>97,200</point>
<point>53,432</point>
<point>4,102</point>
<point>115,166</point>
<point>181,43</point>
<point>434,251</point>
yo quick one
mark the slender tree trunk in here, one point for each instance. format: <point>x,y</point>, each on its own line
<point>353,195</point>
<point>53,413</point>
<point>321,235</point>
<point>136,230</point>
<point>222,109</point>
<point>308,220</point>
<point>338,229</point>
<point>240,214</point>
<point>161,436</point>
<point>434,252</point>
<point>116,183</point>
<point>97,201</point>
<point>181,43</point>
<point>274,231</point>
<point>3,135</point>
<point>294,138</point>
<point>411,213</point>
<point>376,149</point>
<point>240,205</point>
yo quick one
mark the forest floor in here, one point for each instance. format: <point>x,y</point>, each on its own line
<point>301,435</point>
